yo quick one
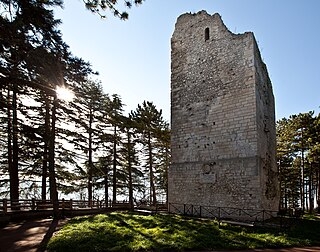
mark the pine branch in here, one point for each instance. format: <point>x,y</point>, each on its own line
<point>101,7</point>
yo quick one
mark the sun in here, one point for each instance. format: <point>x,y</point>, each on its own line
<point>64,93</point>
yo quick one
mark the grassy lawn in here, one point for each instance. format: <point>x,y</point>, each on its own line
<point>121,231</point>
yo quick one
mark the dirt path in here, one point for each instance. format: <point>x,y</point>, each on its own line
<point>27,235</point>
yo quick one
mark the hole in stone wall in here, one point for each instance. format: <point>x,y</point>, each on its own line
<point>214,123</point>
<point>206,34</point>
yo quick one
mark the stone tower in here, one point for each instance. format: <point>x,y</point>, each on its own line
<point>222,116</point>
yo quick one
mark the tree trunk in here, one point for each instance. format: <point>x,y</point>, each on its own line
<point>13,149</point>
<point>166,173</point>
<point>90,182</point>
<point>114,166</point>
<point>130,171</point>
<point>52,175</point>
<point>280,185</point>
<point>286,196</point>
<point>311,204</point>
<point>106,185</point>
<point>318,189</point>
<point>302,173</point>
<point>45,151</point>
<point>302,187</point>
<point>9,130</point>
<point>153,196</point>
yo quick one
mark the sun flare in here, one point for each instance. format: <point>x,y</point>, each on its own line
<point>64,94</point>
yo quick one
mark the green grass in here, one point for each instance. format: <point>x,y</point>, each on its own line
<point>121,231</point>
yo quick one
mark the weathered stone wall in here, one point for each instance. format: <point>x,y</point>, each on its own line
<point>222,117</point>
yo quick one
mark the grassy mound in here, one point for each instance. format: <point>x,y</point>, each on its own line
<point>120,231</point>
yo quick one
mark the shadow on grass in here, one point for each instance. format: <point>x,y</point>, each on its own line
<point>48,235</point>
<point>307,230</point>
<point>131,232</point>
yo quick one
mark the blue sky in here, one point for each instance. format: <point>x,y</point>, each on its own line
<point>133,56</point>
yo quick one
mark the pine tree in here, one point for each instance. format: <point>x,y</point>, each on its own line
<point>130,159</point>
<point>163,155</point>
<point>90,106</point>
<point>297,154</point>
<point>115,120</point>
<point>149,122</point>
<point>25,27</point>
<point>302,125</point>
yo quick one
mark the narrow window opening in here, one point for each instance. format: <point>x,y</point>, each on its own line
<point>206,34</point>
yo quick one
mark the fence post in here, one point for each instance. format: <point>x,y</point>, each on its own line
<point>200,211</point>
<point>33,204</point>
<point>219,217</point>
<point>71,203</point>
<point>184,209</point>
<point>5,205</point>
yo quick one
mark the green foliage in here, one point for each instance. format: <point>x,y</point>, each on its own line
<point>154,137</point>
<point>72,146</point>
<point>101,7</point>
<point>131,232</point>
<point>298,160</point>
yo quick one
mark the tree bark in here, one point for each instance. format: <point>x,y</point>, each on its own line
<point>302,191</point>
<point>90,182</point>
<point>130,171</point>
<point>45,151</point>
<point>114,166</point>
<point>13,149</point>
<point>311,204</point>
<point>318,189</point>
<point>166,173</point>
<point>153,196</point>
<point>52,175</point>
<point>106,186</point>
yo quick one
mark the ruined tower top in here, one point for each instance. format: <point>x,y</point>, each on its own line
<point>195,20</point>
